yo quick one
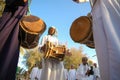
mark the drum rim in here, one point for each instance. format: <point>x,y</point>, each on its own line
<point>91,46</point>
<point>36,33</point>
<point>86,37</point>
<point>21,25</point>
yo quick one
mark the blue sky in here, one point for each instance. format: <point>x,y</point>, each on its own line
<point>61,14</point>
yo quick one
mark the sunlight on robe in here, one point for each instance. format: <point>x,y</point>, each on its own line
<point>80,1</point>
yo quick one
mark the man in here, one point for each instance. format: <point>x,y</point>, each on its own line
<point>66,74</point>
<point>106,32</point>
<point>53,69</point>
<point>83,69</point>
<point>39,71</point>
<point>72,73</point>
<point>34,73</point>
<point>96,72</point>
<point>9,30</point>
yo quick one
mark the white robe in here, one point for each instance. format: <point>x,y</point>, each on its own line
<point>52,69</point>
<point>106,31</point>
<point>39,74</point>
<point>80,74</point>
<point>33,73</point>
<point>96,73</point>
<point>66,73</point>
<point>72,74</point>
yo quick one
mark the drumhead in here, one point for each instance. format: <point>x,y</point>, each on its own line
<point>32,24</point>
<point>81,29</point>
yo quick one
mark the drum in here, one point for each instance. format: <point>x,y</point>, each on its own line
<point>81,30</point>
<point>54,52</point>
<point>31,28</point>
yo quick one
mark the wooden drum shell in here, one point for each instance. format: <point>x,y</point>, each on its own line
<point>81,31</point>
<point>31,28</point>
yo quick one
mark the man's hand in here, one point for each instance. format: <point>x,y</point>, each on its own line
<point>68,53</point>
<point>25,0</point>
<point>88,72</point>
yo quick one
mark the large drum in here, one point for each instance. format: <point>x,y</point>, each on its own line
<point>31,28</point>
<point>81,31</point>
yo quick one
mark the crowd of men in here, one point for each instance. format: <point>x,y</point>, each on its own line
<point>83,72</point>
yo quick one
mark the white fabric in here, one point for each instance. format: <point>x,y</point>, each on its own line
<point>106,30</point>
<point>91,77</point>
<point>52,69</point>
<point>96,73</point>
<point>81,71</point>
<point>50,38</point>
<point>72,74</point>
<point>33,73</point>
<point>46,38</point>
<point>66,73</point>
<point>83,0</point>
<point>39,74</point>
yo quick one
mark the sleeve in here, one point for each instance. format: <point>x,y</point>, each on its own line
<point>13,5</point>
<point>57,42</point>
<point>54,40</point>
<point>66,73</point>
<point>44,39</point>
<point>15,2</point>
<point>97,72</point>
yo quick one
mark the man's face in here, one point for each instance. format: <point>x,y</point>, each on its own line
<point>72,67</point>
<point>84,61</point>
<point>51,31</point>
